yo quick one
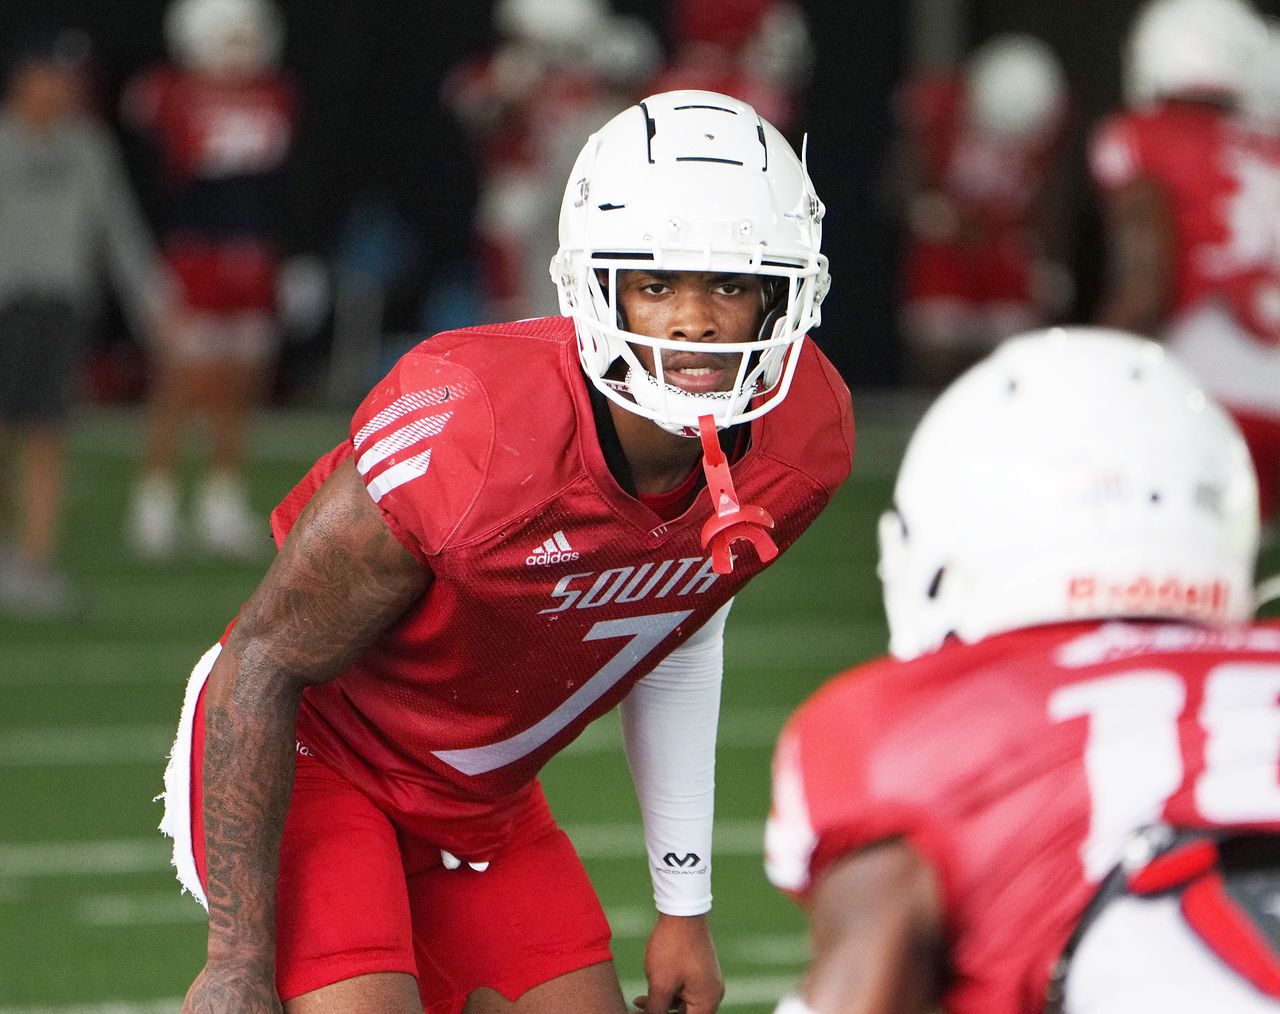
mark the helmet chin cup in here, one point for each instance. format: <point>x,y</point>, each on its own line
<point>678,411</point>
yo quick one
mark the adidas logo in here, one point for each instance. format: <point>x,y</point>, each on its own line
<point>555,550</point>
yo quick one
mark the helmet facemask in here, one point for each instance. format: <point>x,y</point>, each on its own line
<point>762,366</point>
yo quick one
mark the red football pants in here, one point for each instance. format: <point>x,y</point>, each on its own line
<point>356,896</point>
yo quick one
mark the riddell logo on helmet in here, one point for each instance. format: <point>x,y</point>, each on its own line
<point>1148,595</point>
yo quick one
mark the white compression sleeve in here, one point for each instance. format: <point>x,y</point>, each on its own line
<point>669,728</point>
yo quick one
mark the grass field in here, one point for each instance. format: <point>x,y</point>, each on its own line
<point>91,920</point>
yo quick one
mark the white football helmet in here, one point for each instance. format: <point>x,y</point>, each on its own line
<point>241,37</point>
<point>1075,473</point>
<point>1193,47</point>
<point>1263,102</point>
<point>551,23</point>
<point>1014,86</point>
<point>690,181</point>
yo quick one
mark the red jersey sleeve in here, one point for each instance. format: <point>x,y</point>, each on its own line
<point>825,798</point>
<point>422,442</point>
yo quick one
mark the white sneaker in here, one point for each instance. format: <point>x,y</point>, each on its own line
<point>37,593</point>
<point>225,524</point>
<point>151,526</point>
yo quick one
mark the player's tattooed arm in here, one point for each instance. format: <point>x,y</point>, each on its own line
<point>877,934</point>
<point>1141,244</point>
<point>340,579</point>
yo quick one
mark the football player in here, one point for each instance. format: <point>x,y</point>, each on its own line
<point>221,119</point>
<point>529,524</point>
<point>1192,190</point>
<point>1061,792</point>
<point>560,67</point>
<point>986,237</point>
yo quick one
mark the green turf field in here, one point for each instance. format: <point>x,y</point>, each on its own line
<point>91,920</point>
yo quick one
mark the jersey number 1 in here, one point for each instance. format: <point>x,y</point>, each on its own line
<point>1133,755</point>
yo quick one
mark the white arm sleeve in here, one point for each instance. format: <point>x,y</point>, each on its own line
<point>669,728</point>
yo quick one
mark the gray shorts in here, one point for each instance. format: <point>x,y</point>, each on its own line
<point>41,344</point>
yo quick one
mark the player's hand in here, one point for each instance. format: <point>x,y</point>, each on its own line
<point>220,989</point>
<point>681,966</point>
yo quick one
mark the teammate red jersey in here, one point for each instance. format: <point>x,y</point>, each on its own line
<point>1051,798</point>
<point>1020,768</point>
<point>1221,178</point>
<point>529,538</point>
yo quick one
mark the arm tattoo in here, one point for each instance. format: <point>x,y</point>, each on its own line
<point>340,580</point>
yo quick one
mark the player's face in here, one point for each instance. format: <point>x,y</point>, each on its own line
<point>692,306</point>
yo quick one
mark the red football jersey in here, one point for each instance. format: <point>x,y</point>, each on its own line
<point>211,130</point>
<point>1223,184</point>
<point>995,179</point>
<point>1019,766</point>
<point>554,591</point>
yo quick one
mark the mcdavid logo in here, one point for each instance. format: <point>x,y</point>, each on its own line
<point>555,550</point>
<point>688,859</point>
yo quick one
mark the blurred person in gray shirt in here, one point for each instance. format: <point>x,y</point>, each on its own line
<point>66,214</point>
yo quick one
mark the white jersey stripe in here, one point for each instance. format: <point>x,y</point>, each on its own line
<point>644,633</point>
<point>399,474</point>
<point>404,437</point>
<point>403,405</point>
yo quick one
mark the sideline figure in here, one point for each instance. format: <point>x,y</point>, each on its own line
<point>68,217</point>
<point>530,523</point>
<point>1061,793</point>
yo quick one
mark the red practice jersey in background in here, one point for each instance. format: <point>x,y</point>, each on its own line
<point>994,183</point>
<point>554,591</point>
<point>1222,181</point>
<point>222,146</point>
<point>1019,766</point>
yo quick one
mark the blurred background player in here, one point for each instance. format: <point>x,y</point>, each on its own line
<point>221,119</point>
<point>759,51</point>
<point>559,67</point>
<point>982,178</point>
<point>1061,793</point>
<point>1192,200</point>
<point>65,209</point>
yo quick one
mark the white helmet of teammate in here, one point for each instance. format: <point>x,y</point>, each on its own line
<point>1193,47</point>
<point>1263,102</point>
<point>1075,473</point>
<point>550,23</point>
<point>690,181</point>
<point>241,37</point>
<point>1015,86</point>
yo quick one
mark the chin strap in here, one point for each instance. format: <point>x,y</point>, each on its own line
<point>731,522</point>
